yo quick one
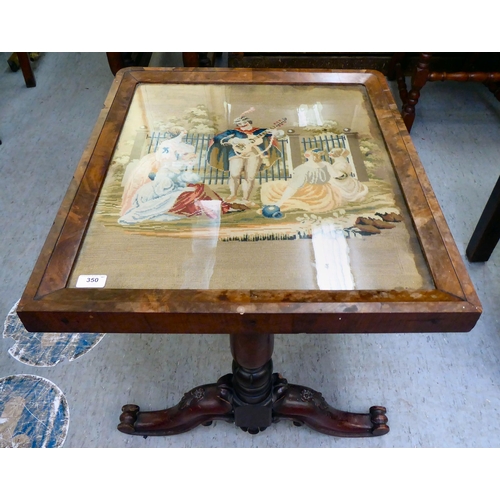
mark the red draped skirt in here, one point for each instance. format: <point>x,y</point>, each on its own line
<point>188,203</point>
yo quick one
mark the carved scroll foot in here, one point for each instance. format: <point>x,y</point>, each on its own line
<point>306,406</point>
<point>200,406</point>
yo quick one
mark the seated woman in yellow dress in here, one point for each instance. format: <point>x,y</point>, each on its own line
<point>316,186</point>
<point>343,178</point>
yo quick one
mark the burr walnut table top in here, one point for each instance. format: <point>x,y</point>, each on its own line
<point>249,201</point>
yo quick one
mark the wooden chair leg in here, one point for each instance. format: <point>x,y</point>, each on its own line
<point>392,68</point>
<point>191,59</point>
<point>115,61</point>
<point>24,62</point>
<point>494,88</point>
<point>198,59</point>
<point>487,232</point>
<point>418,80</point>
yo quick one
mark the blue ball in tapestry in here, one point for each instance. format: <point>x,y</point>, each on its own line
<point>272,212</point>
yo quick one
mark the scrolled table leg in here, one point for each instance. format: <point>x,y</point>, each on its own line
<point>305,406</point>
<point>200,406</point>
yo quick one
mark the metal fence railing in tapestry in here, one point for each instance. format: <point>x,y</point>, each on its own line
<point>278,171</point>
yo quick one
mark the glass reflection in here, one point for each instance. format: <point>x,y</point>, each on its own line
<point>331,254</point>
<point>198,268</point>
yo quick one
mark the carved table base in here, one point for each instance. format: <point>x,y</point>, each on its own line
<point>252,398</point>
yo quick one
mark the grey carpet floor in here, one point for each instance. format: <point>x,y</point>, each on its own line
<point>441,390</point>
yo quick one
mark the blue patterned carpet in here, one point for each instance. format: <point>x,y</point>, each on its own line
<point>34,412</point>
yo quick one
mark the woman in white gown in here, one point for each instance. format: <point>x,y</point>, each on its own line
<point>153,200</point>
<point>176,192</point>
<point>168,151</point>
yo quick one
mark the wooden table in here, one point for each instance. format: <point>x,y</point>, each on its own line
<point>184,217</point>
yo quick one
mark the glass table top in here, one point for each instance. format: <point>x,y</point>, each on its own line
<point>241,186</point>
